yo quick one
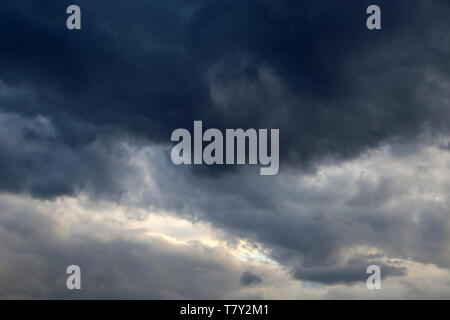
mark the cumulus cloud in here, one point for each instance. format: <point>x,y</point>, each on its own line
<point>321,240</point>
<point>117,260</point>
<point>326,223</point>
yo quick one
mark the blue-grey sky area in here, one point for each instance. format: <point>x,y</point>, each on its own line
<point>86,176</point>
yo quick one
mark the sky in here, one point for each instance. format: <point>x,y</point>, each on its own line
<point>86,176</point>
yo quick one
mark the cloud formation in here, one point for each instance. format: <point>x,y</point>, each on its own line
<point>364,126</point>
<point>334,88</point>
<point>248,279</point>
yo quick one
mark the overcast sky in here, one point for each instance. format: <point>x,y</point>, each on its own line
<point>86,176</point>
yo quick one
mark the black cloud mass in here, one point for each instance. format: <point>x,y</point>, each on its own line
<point>76,106</point>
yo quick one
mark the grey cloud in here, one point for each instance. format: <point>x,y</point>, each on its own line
<point>309,223</point>
<point>72,104</point>
<point>35,253</point>
<point>353,271</point>
<point>36,159</point>
<point>333,88</point>
<point>248,278</point>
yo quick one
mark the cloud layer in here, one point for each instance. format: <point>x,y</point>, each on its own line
<point>364,128</point>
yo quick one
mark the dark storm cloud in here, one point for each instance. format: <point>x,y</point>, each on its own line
<point>312,70</point>
<point>37,159</point>
<point>353,271</point>
<point>248,278</point>
<point>142,69</point>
